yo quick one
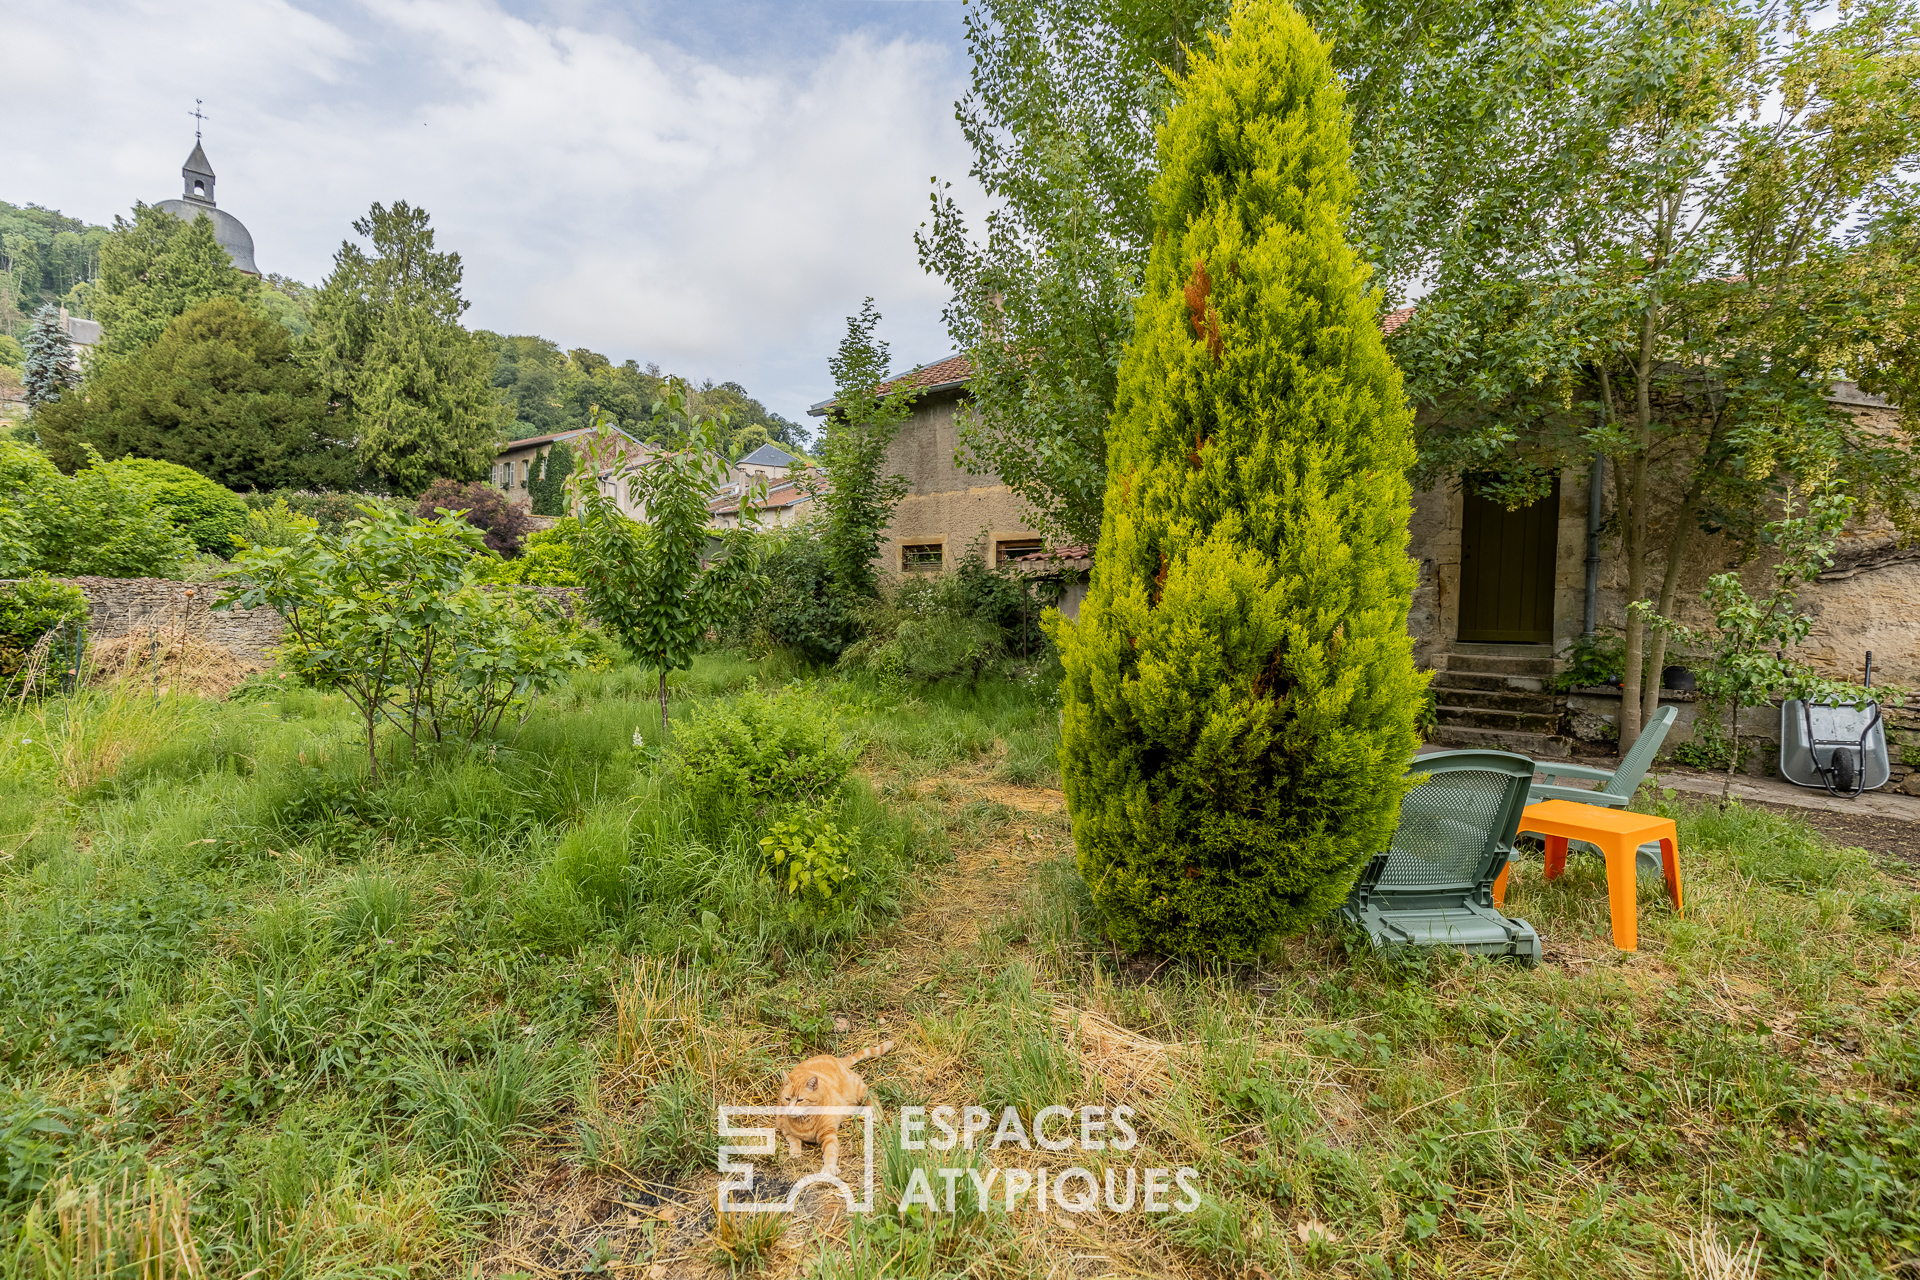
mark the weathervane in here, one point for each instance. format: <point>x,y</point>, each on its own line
<point>198,116</point>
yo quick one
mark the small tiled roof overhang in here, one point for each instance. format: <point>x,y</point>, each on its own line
<point>510,446</point>
<point>942,375</point>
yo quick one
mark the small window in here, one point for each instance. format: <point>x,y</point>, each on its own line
<point>921,556</point>
<point>199,188</point>
<point>523,475</point>
<point>1013,548</point>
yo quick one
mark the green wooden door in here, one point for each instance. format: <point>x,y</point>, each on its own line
<point>1506,570</point>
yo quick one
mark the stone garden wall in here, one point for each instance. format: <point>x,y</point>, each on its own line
<point>127,606</point>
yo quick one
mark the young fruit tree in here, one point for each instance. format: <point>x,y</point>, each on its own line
<point>652,581</point>
<point>857,501</point>
<point>1240,689</point>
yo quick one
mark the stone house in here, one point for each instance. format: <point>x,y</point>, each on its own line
<point>946,509</point>
<point>785,502</point>
<point>1502,596</point>
<point>516,461</point>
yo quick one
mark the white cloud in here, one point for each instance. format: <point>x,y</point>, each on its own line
<point>603,191</point>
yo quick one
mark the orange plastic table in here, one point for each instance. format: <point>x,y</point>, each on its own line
<point>1619,835</point>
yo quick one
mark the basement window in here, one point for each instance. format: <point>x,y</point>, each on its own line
<point>1013,548</point>
<point>921,556</point>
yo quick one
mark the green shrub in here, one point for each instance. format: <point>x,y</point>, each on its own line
<point>762,749</point>
<point>276,525</point>
<point>29,609</point>
<point>546,559</point>
<point>799,611</point>
<point>1240,691</point>
<point>331,511</point>
<point>212,515</point>
<point>1592,662</point>
<point>103,519</point>
<point>811,859</point>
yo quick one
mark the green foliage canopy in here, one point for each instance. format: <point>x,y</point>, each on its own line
<point>1685,220</point>
<point>45,257</point>
<point>104,519</point>
<point>1060,115</point>
<point>388,345</point>
<point>1240,689</point>
<point>219,391</point>
<point>154,267</point>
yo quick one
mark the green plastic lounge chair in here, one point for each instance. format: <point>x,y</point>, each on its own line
<point>1434,886</point>
<point>1616,786</point>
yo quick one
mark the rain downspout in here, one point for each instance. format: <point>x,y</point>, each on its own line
<point>1596,489</point>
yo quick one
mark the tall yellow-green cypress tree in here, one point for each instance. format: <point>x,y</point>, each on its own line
<point>1240,689</point>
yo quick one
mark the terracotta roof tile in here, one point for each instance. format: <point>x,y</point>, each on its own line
<point>1394,319</point>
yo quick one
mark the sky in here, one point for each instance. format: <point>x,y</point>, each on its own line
<point>713,187</point>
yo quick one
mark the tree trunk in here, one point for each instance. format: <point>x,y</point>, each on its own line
<point>1636,547</point>
<point>1630,692</point>
<point>663,706</point>
<point>1669,586</point>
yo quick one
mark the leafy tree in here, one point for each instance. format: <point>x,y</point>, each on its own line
<point>152,269</point>
<point>1240,691</point>
<point>49,367</point>
<point>104,519</point>
<point>857,501</point>
<point>656,585</point>
<point>1697,225</point>
<point>388,613</point>
<point>212,516</point>
<point>480,505</point>
<point>221,392</point>
<point>1061,114</point>
<point>387,344</point>
<point>547,486</point>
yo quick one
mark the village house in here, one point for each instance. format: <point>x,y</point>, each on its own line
<point>1502,597</point>
<point>946,509</point>
<point>516,462</point>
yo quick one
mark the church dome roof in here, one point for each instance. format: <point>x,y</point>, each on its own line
<point>227,229</point>
<point>232,234</point>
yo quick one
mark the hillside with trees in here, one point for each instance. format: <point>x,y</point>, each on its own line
<point>45,257</point>
<point>553,390</point>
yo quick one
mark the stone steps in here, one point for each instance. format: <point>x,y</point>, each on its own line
<point>1494,697</point>
<point>1540,746</point>
<point>1495,700</point>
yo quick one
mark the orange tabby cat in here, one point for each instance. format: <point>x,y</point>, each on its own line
<point>825,1081</point>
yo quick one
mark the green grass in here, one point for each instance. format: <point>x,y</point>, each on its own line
<point>357,1029</point>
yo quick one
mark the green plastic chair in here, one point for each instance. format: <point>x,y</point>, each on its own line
<point>1616,786</point>
<point>1433,887</point>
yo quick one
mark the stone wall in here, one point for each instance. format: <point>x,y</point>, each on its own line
<point>945,505</point>
<point>126,606</point>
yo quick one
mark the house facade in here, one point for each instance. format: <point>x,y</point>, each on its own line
<point>1502,595</point>
<point>946,509</point>
<point>516,462</point>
